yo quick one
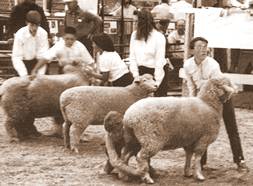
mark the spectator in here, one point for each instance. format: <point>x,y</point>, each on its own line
<point>176,37</point>
<point>200,68</point>
<point>147,51</point>
<point>128,10</point>
<point>30,42</point>
<point>85,23</point>
<point>18,16</point>
<point>180,8</point>
<point>162,11</point>
<point>111,66</point>
<point>66,51</point>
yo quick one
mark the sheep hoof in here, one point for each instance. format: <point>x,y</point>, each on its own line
<point>188,174</point>
<point>14,140</point>
<point>75,149</point>
<point>147,179</point>
<point>108,168</point>
<point>122,176</point>
<point>200,177</point>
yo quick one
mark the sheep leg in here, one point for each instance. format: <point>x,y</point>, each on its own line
<point>187,167</point>
<point>198,171</point>
<point>58,121</point>
<point>66,137</point>
<point>143,165</point>
<point>11,129</point>
<point>74,134</point>
<point>29,128</point>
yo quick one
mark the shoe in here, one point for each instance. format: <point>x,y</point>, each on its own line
<point>242,167</point>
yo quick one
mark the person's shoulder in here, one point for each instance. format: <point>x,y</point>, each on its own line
<point>158,34</point>
<point>21,31</point>
<point>78,44</point>
<point>42,31</point>
<point>188,63</point>
<point>211,61</point>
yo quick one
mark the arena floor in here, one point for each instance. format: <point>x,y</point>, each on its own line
<point>44,161</point>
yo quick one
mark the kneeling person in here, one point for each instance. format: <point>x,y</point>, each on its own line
<point>66,51</point>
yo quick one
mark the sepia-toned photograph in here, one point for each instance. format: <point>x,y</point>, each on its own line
<point>126,92</point>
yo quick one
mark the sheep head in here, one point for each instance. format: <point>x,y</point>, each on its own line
<point>221,88</point>
<point>146,82</point>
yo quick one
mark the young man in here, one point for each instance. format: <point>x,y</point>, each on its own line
<point>200,68</point>
<point>66,51</point>
<point>30,42</point>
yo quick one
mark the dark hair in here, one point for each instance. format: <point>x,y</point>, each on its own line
<point>165,1</point>
<point>145,24</point>
<point>104,42</point>
<point>34,17</point>
<point>194,40</point>
<point>70,30</point>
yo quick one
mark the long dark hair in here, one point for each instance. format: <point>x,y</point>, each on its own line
<point>145,24</point>
<point>104,42</point>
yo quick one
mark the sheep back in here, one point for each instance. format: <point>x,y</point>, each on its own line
<point>172,122</point>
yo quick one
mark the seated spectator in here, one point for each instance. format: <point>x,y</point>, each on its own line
<point>30,42</point>
<point>18,16</point>
<point>111,66</point>
<point>66,51</point>
<point>177,37</point>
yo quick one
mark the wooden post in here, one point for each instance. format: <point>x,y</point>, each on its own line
<point>44,6</point>
<point>188,33</point>
<point>122,29</point>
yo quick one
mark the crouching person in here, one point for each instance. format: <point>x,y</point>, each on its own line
<point>30,42</point>
<point>66,51</point>
<point>201,68</point>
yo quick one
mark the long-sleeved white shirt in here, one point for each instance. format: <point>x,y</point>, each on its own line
<point>28,47</point>
<point>150,53</point>
<point>64,54</point>
<point>197,74</point>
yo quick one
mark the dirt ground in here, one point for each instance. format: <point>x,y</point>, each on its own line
<point>44,161</point>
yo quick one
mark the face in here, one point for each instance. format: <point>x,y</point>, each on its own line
<point>181,27</point>
<point>127,3</point>
<point>200,50</point>
<point>69,39</point>
<point>72,5</point>
<point>32,28</point>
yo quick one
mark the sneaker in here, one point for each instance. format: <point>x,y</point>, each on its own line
<point>242,167</point>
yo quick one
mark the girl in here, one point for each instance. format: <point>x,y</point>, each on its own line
<point>112,68</point>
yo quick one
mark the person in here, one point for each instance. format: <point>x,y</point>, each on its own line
<point>30,42</point>
<point>85,23</point>
<point>147,51</point>
<point>112,68</point>
<point>128,10</point>
<point>66,51</point>
<point>17,18</point>
<point>180,8</point>
<point>200,68</point>
<point>176,37</point>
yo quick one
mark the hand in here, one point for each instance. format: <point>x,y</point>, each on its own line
<point>34,72</point>
<point>88,70</point>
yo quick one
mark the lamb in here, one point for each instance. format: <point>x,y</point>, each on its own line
<point>85,105</point>
<point>25,98</point>
<point>155,124</point>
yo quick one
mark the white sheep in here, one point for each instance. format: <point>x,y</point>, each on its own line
<point>25,98</point>
<point>84,105</point>
<point>155,124</point>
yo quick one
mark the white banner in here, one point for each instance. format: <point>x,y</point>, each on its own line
<point>229,30</point>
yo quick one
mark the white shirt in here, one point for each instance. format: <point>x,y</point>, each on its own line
<point>127,11</point>
<point>162,11</point>
<point>150,53</point>
<point>197,74</point>
<point>180,8</point>
<point>28,47</point>
<point>77,52</point>
<point>173,38</point>
<point>112,63</point>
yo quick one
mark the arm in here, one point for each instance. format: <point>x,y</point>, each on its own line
<point>85,56</point>
<point>132,58</point>
<point>17,57</point>
<point>190,83</point>
<point>160,59</point>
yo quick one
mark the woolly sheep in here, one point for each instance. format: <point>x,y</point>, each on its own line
<point>85,105</point>
<point>25,98</point>
<point>153,124</point>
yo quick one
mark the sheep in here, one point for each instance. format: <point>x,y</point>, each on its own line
<point>85,105</point>
<point>154,124</point>
<point>25,98</point>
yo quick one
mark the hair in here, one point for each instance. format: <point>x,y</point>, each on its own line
<point>194,40</point>
<point>165,1</point>
<point>145,24</point>
<point>104,42</point>
<point>34,17</point>
<point>179,21</point>
<point>70,30</point>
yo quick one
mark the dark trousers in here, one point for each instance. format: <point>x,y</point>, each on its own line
<point>123,81</point>
<point>232,131</point>
<point>163,88</point>
<point>30,64</point>
<point>87,43</point>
